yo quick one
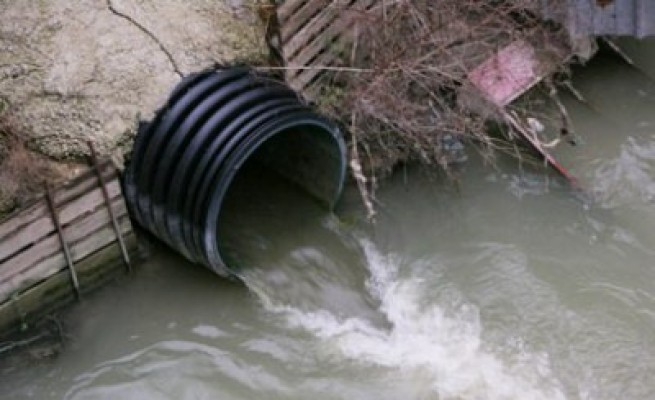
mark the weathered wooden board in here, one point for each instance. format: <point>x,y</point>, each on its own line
<point>289,26</point>
<point>50,245</point>
<point>50,266</point>
<point>509,73</point>
<point>42,227</point>
<point>49,295</point>
<point>288,7</point>
<point>295,41</point>
<point>312,34</point>
<point>32,223</point>
<point>31,249</point>
<point>323,49</point>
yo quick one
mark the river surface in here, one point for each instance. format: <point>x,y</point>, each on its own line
<point>511,285</point>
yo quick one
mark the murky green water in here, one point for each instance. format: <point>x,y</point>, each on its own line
<point>508,288</point>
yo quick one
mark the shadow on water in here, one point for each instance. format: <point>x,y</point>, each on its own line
<point>289,249</point>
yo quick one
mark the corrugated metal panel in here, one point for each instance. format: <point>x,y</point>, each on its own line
<point>604,17</point>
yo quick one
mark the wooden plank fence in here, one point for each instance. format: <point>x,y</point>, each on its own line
<point>63,245</point>
<point>312,34</point>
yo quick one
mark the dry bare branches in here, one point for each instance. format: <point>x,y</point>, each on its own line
<point>22,171</point>
<point>414,97</point>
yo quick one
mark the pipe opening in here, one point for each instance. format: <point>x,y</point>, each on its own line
<point>291,179</point>
<point>229,133</point>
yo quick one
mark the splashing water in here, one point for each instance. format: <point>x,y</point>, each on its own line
<point>440,344</point>
<point>629,177</point>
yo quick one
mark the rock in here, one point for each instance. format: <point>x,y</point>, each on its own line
<point>88,69</point>
<point>453,149</point>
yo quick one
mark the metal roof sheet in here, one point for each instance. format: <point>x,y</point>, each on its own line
<point>604,17</point>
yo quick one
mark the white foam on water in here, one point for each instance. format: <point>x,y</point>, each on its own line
<point>423,340</point>
<point>627,178</point>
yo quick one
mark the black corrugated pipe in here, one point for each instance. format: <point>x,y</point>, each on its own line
<point>184,161</point>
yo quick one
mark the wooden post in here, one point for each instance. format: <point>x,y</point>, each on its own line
<point>62,240</point>
<point>19,311</point>
<point>112,215</point>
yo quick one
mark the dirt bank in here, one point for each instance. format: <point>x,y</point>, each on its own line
<point>90,69</point>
